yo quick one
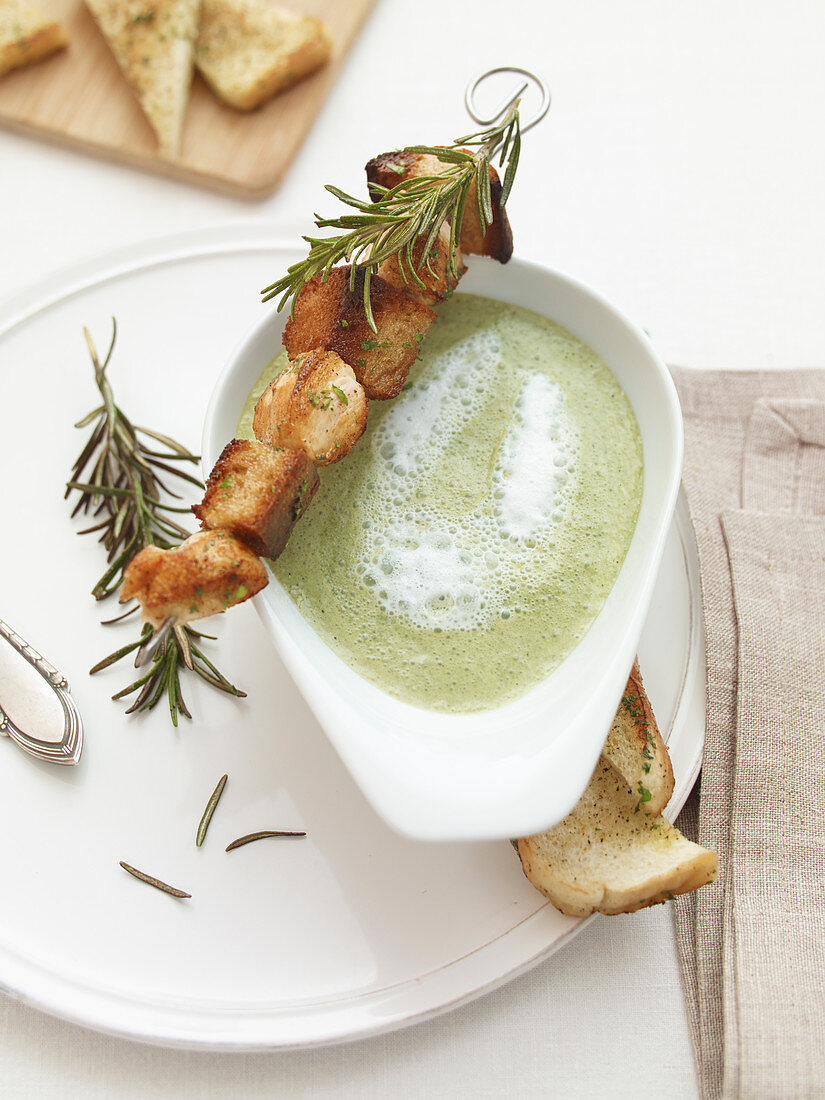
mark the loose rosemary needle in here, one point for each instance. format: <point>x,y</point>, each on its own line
<point>121,482</point>
<point>156,882</point>
<point>258,836</point>
<point>214,798</point>
<point>414,208</point>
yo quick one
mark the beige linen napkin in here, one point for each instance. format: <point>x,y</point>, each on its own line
<point>753,946</point>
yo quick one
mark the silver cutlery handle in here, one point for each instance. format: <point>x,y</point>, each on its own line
<point>69,748</point>
<point>37,660</point>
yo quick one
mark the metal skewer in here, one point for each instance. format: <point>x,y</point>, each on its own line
<point>473,86</point>
<point>155,640</point>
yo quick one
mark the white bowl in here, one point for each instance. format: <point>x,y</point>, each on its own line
<point>521,767</point>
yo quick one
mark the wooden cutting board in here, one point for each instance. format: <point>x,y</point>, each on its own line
<point>79,98</point>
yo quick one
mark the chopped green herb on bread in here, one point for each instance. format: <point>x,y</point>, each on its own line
<point>636,750</point>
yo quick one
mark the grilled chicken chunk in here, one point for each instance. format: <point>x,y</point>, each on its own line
<point>315,406</point>
<point>435,274</point>
<point>207,573</point>
<point>257,494</point>
<point>330,315</point>
<point>389,169</point>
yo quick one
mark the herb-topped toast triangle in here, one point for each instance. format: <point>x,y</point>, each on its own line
<point>153,42</point>
<point>249,50</point>
<point>612,854</point>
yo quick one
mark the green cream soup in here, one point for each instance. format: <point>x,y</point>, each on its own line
<point>467,542</point>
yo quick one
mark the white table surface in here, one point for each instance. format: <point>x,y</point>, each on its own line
<point>681,171</point>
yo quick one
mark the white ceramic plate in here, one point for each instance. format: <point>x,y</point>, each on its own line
<point>520,767</point>
<point>353,931</point>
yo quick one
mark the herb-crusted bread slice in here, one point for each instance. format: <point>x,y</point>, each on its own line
<point>608,856</point>
<point>634,747</point>
<point>248,50</point>
<point>26,35</point>
<point>615,853</point>
<point>153,42</point>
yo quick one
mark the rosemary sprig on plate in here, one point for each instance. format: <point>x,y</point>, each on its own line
<point>121,482</point>
<point>415,207</point>
<point>118,479</point>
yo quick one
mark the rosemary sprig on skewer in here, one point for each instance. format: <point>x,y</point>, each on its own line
<point>178,649</point>
<point>121,480</point>
<point>414,208</point>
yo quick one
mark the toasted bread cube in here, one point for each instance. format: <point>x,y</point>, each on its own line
<point>257,494</point>
<point>496,241</point>
<point>315,406</point>
<point>206,574</point>
<point>27,35</point>
<point>389,169</point>
<point>330,315</point>
<point>435,274</point>
<point>249,50</point>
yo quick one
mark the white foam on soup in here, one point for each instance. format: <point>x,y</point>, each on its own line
<point>422,574</point>
<point>418,428</point>
<point>535,473</point>
<point>444,572</point>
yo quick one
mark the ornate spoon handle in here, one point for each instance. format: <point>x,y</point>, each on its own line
<point>69,748</point>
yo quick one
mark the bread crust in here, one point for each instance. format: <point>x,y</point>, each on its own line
<point>153,43</point>
<point>257,494</point>
<point>608,857</point>
<point>330,315</point>
<point>612,853</point>
<point>389,169</point>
